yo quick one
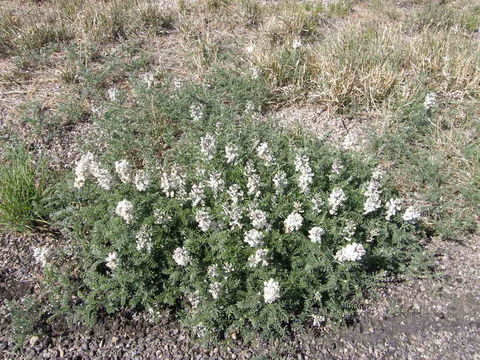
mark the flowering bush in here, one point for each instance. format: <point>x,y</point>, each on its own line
<point>240,227</point>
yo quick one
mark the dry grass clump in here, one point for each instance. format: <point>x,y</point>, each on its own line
<point>462,16</point>
<point>369,64</point>
<point>372,59</point>
<point>455,137</point>
<point>292,21</point>
<point>358,64</point>
<point>341,54</point>
<point>35,25</point>
<point>8,25</point>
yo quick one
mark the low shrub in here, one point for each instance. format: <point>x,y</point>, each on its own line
<point>240,227</point>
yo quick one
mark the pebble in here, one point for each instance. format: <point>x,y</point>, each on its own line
<point>34,340</point>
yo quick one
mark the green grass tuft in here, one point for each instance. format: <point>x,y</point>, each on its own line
<point>22,188</point>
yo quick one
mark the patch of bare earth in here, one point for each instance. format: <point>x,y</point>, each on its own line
<point>341,131</point>
<point>40,92</point>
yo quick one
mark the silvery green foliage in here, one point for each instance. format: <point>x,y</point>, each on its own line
<point>240,228</point>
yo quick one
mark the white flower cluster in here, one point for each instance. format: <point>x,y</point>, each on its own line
<point>254,238</point>
<point>214,289</point>
<point>260,257</point>
<point>125,210</point>
<point>253,179</point>
<point>194,299</point>
<point>378,173</point>
<point>315,234</point>
<point>212,271</point>
<point>250,108</point>
<point>208,146</point>
<point>280,181</point>
<point>181,256</point>
<point>318,320</point>
<point>297,206</point>
<point>161,217</point>
<point>430,101</point>
<point>235,213</point>
<point>88,166</point>
<point>231,154</point>
<point>349,230</point>
<point>200,330</point>
<point>256,72</point>
<point>112,93</point>
<point>317,203</point>
<point>393,206</point>
<point>153,315</point>
<point>196,111</point>
<point>351,252</point>
<point>173,183</point>
<point>204,220</point>
<point>235,193</point>
<point>337,167</point>
<point>296,44</point>
<point>149,79</point>
<point>98,111</point>
<point>216,183</point>
<point>264,153</point>
<point>271,291</point>
<point>144,239</point>
<point>41,255</point>
<point>351,140</point>
<point>335,200</point>
<point>123,169</point>
<point>293,222</point>
<point>111,260</point>
<point>305,179</point>
<point>372,235</point>
<point>227,269</point>
<point>141,180</point>
<point>214,274</point>
<point>103,177</point>
<point>259,219</point>
<point>411,214</point>
<point>197,195</point>
<point>372,194</point>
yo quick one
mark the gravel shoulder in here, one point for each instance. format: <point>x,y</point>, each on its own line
<point>429,318</point>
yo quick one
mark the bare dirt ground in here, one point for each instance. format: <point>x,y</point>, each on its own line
<point>432,318</point>
<point>341,131</point>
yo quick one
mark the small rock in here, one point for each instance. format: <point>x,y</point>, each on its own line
<point>34,340</point>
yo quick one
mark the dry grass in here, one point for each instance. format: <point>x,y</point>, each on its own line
<point>31,25</point>
<point>350,55</point>
<point>342,54</point>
